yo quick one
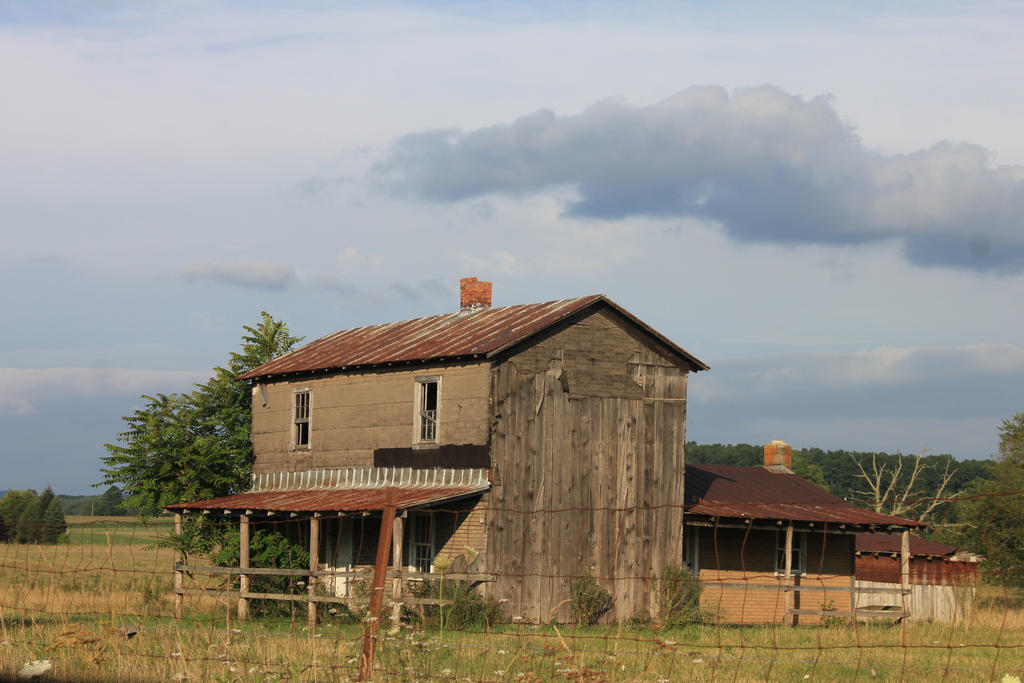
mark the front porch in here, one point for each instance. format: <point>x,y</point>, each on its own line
<point>368,531</point>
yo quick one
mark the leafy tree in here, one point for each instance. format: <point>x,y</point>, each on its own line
<point>991,516</point>
<point>54,524</point>
<point>182,447</point>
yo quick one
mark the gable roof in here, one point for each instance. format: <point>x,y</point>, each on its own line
<point>760,493</point>
<point>462,335</point>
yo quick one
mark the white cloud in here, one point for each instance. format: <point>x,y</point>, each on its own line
<point>254,274</point>
<point>351,256</point>
<point>22,391</point>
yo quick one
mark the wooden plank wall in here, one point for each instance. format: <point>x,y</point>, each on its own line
<point>353,414</point>
<point>928,602</point>
<point>586,481</point>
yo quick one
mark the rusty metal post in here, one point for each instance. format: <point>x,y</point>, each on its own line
<point>243,563</point>
<point>179,576</point>
<point>314,565</point>
<point>380,572</point>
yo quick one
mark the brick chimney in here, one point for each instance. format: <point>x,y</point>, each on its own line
<point>778,454</point>
<point>475,293</point>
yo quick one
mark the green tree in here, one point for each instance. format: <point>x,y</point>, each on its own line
<point>11,507</point>
<point>110,502</point>
<point>990,519</point>
<point>46,497</point>
<point>30,523</point>
<point>182,447</point>
<point>54,524</point>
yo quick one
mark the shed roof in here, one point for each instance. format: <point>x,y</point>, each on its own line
<point>466,334</point>
<point>892,544</point>
<point>761,493</point>
<point>331,500</point>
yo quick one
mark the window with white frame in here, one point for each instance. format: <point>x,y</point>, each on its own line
<point>427,408</point>
<point>421,542</point>
<point>799,552</point>
<point>300,418</point>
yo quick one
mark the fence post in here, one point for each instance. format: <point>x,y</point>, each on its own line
<point>243,563</point>
<point>178,574</point>
<point>905,572</point>
<point>380,570</point>
<point>314,564</point>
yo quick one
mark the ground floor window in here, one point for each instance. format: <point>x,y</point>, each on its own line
<point>691,549</point>
<point>799,557</point>
<point>421,541</point>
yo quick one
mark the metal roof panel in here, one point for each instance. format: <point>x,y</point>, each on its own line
<point>759,493</point>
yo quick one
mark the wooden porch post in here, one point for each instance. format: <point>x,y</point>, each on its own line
<point>380,570</point>
<point>789,574</point>
<point>178,574</point>
<point>396,563</point>
<point>314,563</point>
<point>905,571</point>
<point>243,563</point>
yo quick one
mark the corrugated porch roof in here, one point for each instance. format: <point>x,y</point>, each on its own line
<point>330,500</point>
<point>762,494</point>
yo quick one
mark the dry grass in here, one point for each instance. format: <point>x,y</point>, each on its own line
<point>76,605</point>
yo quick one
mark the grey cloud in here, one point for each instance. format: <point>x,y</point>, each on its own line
<point>253,274</point>
<point>766,165</point>
<point>22,390</point>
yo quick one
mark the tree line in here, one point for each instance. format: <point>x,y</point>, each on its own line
<point>30,517</point>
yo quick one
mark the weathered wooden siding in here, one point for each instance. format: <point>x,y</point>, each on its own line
<point>355,414</point>
<point>747,559</point>
<point>927,602</point>
<point>588,463</point>
<point>942,589</point>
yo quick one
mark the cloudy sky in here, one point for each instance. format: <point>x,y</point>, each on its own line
<point>821,201</point>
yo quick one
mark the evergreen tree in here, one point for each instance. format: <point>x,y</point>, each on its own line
<point>54,524</point>
<point>11,507</point>
<point>46,497</point>
<point>30,523</point>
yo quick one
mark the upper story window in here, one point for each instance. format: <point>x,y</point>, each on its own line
<point>300,419</point>
<point>798,564</point>
<point>427,408</point>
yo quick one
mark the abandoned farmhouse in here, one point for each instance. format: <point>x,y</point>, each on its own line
<point>534,444</point>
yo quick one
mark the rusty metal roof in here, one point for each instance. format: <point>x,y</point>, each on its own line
<point>327,500</point>
<point>892,544</point>
<point>759,493</point>
<point>466,334</point>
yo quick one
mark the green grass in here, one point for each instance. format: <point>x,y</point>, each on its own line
<point>68,603</point>
<point>86,530</point>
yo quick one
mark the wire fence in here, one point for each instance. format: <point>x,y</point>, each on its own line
<point>119,599</point>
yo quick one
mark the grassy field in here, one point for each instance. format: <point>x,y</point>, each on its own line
<point>99,610</point>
